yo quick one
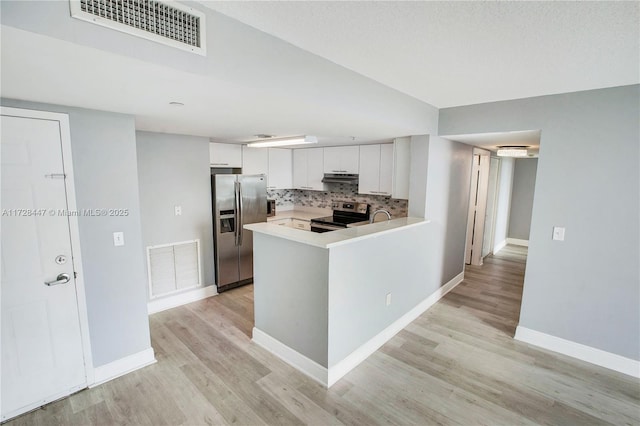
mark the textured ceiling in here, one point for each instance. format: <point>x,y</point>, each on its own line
<point>460,53</point>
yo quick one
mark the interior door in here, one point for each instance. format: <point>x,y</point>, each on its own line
<point>490,214</point>
<point>40,338</point>
<point>477,209</point>
<point>254,209</point>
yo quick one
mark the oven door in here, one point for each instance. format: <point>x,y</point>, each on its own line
<point>323,227</point>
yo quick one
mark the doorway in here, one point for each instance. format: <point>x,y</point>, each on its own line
<point>44,338</point>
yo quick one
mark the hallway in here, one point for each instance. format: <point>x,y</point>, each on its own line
<point>456,364</point>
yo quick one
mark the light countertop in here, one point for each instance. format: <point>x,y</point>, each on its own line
<point>335,238</point>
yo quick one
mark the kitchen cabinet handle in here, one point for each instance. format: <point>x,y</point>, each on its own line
<point>219,164</point>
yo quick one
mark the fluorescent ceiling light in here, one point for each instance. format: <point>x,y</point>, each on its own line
<point>298,140</point>
<point>512,152</point>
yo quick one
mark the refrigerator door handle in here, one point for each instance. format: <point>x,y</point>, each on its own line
<point>240,215</point>
<point>237,207</point>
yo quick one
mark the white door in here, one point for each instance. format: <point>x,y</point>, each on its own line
<point>477,208</point>
<point>490,215</point>
<point>41,338</point>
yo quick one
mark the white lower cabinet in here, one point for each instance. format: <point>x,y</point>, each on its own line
<point>301,224</point>
<point>281,222</point>
<point>304,225</point>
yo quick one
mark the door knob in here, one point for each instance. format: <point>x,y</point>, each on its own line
<point>60,279</point>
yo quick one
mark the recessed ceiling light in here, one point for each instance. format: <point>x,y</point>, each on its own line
<point>174,103</point>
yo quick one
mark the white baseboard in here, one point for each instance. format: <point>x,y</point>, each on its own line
<point>328,377</point>
<point>499,246</point>
<point>339,370</point>
<point>159,305</point>
<point>122,366</point>
<point>290,356</point>
<point>518,242</point>
<point>577,350</point>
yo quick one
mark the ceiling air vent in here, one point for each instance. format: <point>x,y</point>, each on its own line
<point>168,23</point>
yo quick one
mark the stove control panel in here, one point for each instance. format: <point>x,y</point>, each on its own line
<point>350,206</point>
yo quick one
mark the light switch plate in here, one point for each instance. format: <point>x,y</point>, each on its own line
<point>388,299</point>
<point>118,239</point>
<point>558,233</point>
<point>178,210</point>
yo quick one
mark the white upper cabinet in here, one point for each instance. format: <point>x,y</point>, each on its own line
<point>315,168</point>
<point>225,155</point>
<point>255,161</point>
<point>342,159</point>
<point>300,168</point>
<point>275,163</point>
<point>401,167</point>
<point>386,169</point>
<point>376,169</point>
<point>280,175</point>
<point>308,168</point>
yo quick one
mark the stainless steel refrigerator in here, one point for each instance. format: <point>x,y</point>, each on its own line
<point>237,201</point>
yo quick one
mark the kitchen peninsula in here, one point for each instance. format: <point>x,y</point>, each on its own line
<point>325,301</point>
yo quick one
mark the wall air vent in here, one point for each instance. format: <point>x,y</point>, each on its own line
<point>165,22</point>
<point>173,267</point>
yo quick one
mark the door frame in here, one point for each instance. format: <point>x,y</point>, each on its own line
<point>74,232</point>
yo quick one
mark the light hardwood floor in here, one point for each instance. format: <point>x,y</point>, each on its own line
<point>456,364</point>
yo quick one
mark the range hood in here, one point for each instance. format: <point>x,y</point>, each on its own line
<point>351,179</point>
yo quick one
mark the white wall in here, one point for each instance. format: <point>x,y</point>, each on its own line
<point>261,82</point>
<point>173,170</point>
<point>524,183</point>
<point>586,288</point>
<point>503,205</point>
<point>103,146</point>
<point>448,186</point>
<point>439,191</point>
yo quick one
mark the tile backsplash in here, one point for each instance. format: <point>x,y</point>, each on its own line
<point>289,198</point>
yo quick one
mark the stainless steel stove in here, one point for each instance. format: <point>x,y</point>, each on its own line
<point>345,213</point>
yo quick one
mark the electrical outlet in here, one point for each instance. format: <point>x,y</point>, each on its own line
<point>388,299</point>
<point>118,239</point>
<point>178,210</point>
<point>558,233</point>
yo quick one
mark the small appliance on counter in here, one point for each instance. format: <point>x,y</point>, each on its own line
<point>237,200</point>
<point>271,208</point>
<point>345,213</point>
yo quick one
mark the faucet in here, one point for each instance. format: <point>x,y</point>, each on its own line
<point>373,215</point>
